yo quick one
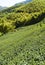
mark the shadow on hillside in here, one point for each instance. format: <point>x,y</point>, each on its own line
<point>32,21</point>
<point>36,20</point>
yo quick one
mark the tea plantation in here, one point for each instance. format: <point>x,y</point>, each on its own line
<point>26,46</point>
<point>22,34</point>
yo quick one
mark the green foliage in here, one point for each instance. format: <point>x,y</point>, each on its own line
<point>22,15</point>
<point>15,20</point>
<point>5,26</point>
<point>1,34</point>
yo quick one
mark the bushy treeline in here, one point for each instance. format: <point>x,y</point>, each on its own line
<point>13,20</point>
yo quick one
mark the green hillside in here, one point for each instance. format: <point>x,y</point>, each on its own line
<point>22,34</point>
<point>26,46</point>
<point>11,9</point>
<point>34,6</point>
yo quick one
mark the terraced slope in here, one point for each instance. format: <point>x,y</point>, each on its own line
<point>26,46</point>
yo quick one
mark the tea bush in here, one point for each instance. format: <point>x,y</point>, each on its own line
<point>25,46</point>
<point>13,20</point>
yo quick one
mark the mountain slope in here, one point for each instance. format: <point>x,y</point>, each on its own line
<point>1,8</point>
<point>26,46</point>
<point>22,34</point>
<point>13,8</point>
<point>34,6</point>
<point>27,1</point>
